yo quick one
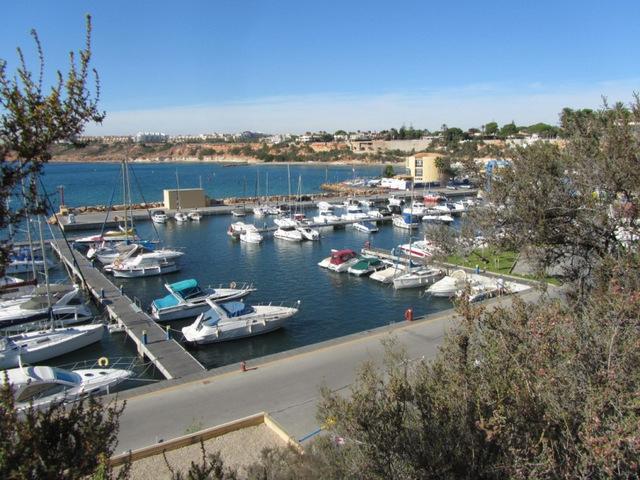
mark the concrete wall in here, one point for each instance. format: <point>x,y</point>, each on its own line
<point>189,198</point>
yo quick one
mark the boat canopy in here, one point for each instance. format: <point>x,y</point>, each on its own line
<point>410,218</point>
<point>186,288</point>
<point>236,309</point>
<point>180,291</point>
<point>341,256</point>
<point>231,309</point>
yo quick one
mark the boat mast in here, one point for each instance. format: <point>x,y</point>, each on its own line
<point>177,192</point>
<point>124,193</point>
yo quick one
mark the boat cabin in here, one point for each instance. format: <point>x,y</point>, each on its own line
<point>340,256</point>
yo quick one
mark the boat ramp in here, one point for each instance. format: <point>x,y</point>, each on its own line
<point>152,340</point>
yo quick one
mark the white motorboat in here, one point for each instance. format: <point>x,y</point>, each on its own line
<point>186,299</point>
<point>374,214</point>
<point>355,212</point>
<point>41,386</point>
<point>415,208</point>
<point>159,216</point>
<point>366,227</point>
<point>108,252</point>
<point>65,302</point>
<point>251,234</point>
<point>229,321</point>
<point>406,221</point>
<point>308,233</point>
<point>38,346</point>
<point>419,249</point>
<point>417,277</point>
<point>326,206</point>
<point>291,234</point>
<point>446,207</point>
<point>478,291</point>
<point>285,221</point>
<point>264,210</point>
<point>138,262</point>
<point>366,266</point>
<point>239,212</point>
<point>301,219</point>
<point>433,216</point>
<point>180,217</point>
<point>448,285</point>
<point>326,217</point>
<point>194,215</point>
<point>396,200</point>
<point>236,228</point>
<point>340,260</point>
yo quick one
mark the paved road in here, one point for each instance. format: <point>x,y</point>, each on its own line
<point>285,385</point>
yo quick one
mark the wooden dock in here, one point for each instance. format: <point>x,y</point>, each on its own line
<point>150,338</point>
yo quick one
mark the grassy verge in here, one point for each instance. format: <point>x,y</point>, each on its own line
<point>501,263</point>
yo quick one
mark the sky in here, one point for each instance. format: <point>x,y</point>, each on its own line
<point>194,67</point>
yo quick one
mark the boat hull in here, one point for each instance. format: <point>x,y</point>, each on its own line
<point>261,322</point>
<point>420,278</point>
<point>36,347</point>
<point>160,269</point>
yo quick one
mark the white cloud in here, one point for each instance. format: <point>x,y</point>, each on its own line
<point>466,107</point>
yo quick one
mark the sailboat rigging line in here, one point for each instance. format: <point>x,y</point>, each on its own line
<point>48,204</point>
<point>144,201</point>
<point>113,194</point>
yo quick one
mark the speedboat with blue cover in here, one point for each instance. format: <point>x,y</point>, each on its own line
<point>229,321</point>
<point>187,299</point>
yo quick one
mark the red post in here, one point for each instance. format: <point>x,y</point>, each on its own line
<point>409,314</point>
<point>243,366</point>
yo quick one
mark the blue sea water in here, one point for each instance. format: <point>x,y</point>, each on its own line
<point>331,305</point>
<point>97,183</point>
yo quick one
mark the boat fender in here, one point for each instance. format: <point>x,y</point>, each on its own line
<point>409,314</point>
<point>232,284</point>
<point>120,266</point>
<point>103,362</point>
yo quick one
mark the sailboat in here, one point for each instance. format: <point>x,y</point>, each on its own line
<point>179,216</point>
<point>302,221</point>
<point>419,276</point>
<point>38,346</point>
<point>107,246</point>
<point>241,212</point>
<point>264,209</point>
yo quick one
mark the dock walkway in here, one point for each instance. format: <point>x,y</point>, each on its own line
<point>166,354</point>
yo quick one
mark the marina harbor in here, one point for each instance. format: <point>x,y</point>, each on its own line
<point>159,343</point>
<point>325,280</point>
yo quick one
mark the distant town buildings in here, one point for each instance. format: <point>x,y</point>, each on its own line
<point>146,137</point>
